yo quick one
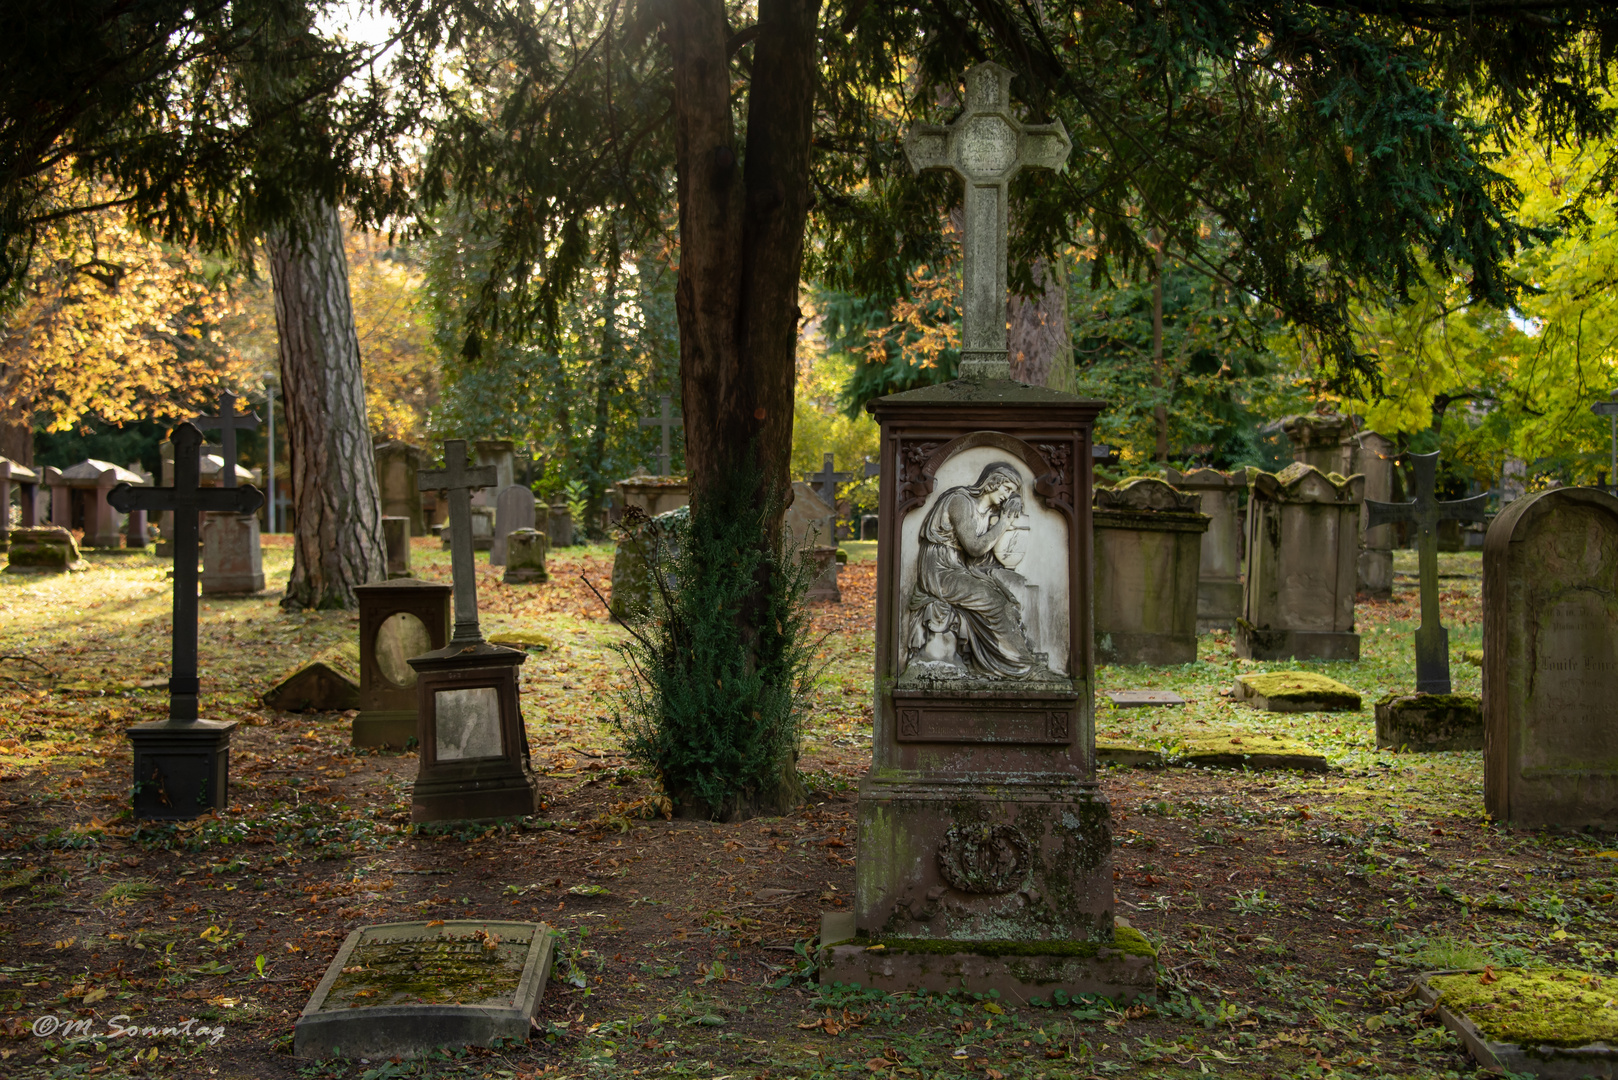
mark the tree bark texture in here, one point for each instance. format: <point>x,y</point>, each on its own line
<point>742,219</point>
<point>337,541</point>
<point>1038,341</point>
<point>1160,411</point>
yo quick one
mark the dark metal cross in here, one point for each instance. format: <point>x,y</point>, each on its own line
<point>229,421</point>
<point>1425,512</point>
<point>827,479</point>
<point>188,500</point>
<point>459,481</point>
<point>668,422</point>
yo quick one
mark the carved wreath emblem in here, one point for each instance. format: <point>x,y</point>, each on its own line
<point>984,858</point>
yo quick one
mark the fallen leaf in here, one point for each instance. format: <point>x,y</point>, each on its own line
<point>1488,975</point>
<point>98,994</point>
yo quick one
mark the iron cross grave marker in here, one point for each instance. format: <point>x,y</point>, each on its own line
<point>668,421</point>
<point>986,146</point>
<point>229,421</point>
<point>1425,512</point>
<point>459,481</point>
<point>826,480</point>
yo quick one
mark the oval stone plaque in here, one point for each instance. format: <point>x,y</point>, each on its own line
<point>400,637</point>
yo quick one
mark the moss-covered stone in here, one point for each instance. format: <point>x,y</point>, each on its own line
<point>1295,691</point>
<point>1429,722</point>
<point>1125,939</point>
<point>1247,749</point>
<point>1541,1007</point>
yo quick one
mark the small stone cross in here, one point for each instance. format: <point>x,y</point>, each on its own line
<point>1425,512</point>
<point>827,479</point>
<point>459,481</point>
<point>986,146</point>
<point>229,421</point>
<point>667,422</point>
<point>188,500</point>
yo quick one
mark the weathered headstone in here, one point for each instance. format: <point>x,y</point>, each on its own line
<point>1373,459</point>
<point>525,557</point>
<point>668,422</point>
<point>396,539</point>
<point>79,501</point>
<point>513,509</point>
<point>1324,440</point>
<point>398,619</point>
<point>1298,594</point>
<point>1294,692</point>
<point>635,587</point>
<point>1219,576</point>
<point>1148,551</point>
<point>654,495</point>
<point>559,526</point>
<point>44,549</point>
<point>26,481</point>
<point>397,464</point>
<point>474,748</point>
<point>980,821</point>
<point>1425,512</point>
<point>1426,723</point>
<point>404,989</point>
<point>868,526</point>
<point>1550,661</point>
<point>232,561</point>
<point>182,764</point>
<point>812,524</point>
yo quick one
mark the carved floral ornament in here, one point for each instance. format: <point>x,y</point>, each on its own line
<point>989,859</point>
<point>1050,462</point>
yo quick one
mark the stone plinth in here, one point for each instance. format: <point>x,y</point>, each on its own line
<point>525,557</point>
<point>559,526</point>
<point>1294,692</point>
<point>182,767</point>
<point>1325,441</point>
<point>1219,578</point>
<point>232,561</point>
<point>1429,722</point>
<point>397,464</point>
<point>1148,550</point>
<point>482,521</point>
<point>398,620</point>
<point>634,587</point>
<point>655,495</point>
<point>44,549</point>
<point>1302,566</point>
<point>1373,459</point>
<point>1550,661</point>
<point>404,989</point>
<point>26,481</point>
<point>474,750</point>
<point>396,538</point>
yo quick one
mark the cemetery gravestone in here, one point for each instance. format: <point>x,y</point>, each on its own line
<point>396,538</point>
<point>1373,459</point>
<point>1219,575</point>
<point>44,549</point>
<point>182,764</point>
<point>513,509</point>
<point>559,526</point>
<point>81,492</point>
<point>232,559</point>
<point>634,585</point>
<point>984,841</point>
<point>812,524</point>
<point>1302,566</point>
<point>398,620</point>
<point>525,557</point>
<point>656,498</point>
<point>1550,661</point>
<point>473,746</point>
<point>404,989</point>
<point>1148,551</point>
<point>667,421</point>
<point>397,464</point>
<point>1324,440</point>
<point>26,481</point>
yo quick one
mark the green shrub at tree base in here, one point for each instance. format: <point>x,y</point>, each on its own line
<point>721,663</point>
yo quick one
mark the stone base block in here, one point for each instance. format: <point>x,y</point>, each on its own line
<point>1255,644</point>
<point>1219,604</point>
<point>384,727</point>
<point>1115,647</point>
<point>1124,969</point>
<point>232,584</point>
<point>182,768</point>
<point>504,793</point>
<point>523,575</point>
<point>1294,692</point>
<point>1429,722</point>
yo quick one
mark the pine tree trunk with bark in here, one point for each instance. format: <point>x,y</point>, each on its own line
<point>337,538</point>
<point>1038,341</point>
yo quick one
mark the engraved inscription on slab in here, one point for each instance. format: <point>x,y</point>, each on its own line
<point>988,146</point>
<point>984,577</point>
<point>400,637</point>
<point>479,967</point>
<point>468,723</point>
<point>1575,680</point>
<point>976,722</point>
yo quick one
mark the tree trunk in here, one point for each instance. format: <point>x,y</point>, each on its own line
<point>17,437</point>
<point>337,542</point>
<point>1160,411</point>
<point>741,237</point>
<point>1038,341</point>
<point>607,385</point>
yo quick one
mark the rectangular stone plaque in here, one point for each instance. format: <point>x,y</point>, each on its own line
<point>925,718</point>
<point>469,723</point>
<point>1134,699</point>
<point>404,988</point>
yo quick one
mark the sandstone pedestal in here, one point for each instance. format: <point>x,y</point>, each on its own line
<point>1148,550</point>
<point>474,750</point>
<point>44,549</point>
<point>1429,722</point>
<point>1298,599</point>
<point>1324,440</point>
<point>525,557</point>
<point>397,464</point>
<point>1550,661</point>
<point>232,561</point>
<point>182,767</point>
<point>398,620</point>
<point>1219,577</point>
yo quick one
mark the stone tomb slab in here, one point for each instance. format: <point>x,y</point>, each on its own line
<point>1247,749</point>
<point>1138,699</point>
<point>401,989</point>
<point>1549,1023</point>
<point>1429,722</point>
<point>1294,692</point>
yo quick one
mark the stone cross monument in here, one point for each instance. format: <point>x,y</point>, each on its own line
<point>459,480</point>
<point>1425,512</point>
<point>668,422</point>
<point>229,421</point>
<point>986,146</point>
<point>826,480</point>
<point>182,763</point>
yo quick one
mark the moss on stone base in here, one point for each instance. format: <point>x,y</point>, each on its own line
<point>1432,701</point>
<point>1125,939</point>
<point>1549,1007</point>
<point>1301,686</point>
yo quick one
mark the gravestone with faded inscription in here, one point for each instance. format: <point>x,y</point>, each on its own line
<point>1148,552</point>
<point>397,464</point>
<point>985,845</point>
<point>812,524</point>
<point>404,989</point>
<point>513,509</point>
<point>1302,566</point>
<point>1219,574</point>
<point>525,557</point>
<point>1374,457</point>
<point>1550,661</point>
<point>398,619</point>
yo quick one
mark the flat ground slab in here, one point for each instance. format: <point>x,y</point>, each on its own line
<point>1214,748</point>
<point>1555,1023</point>
<point>1294,691</point>
<point>1138,699</point>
